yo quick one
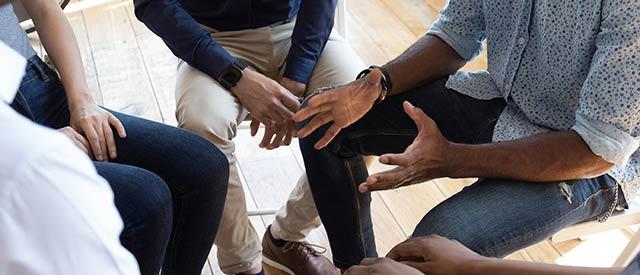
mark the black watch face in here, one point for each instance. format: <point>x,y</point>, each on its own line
<point>232,76</point>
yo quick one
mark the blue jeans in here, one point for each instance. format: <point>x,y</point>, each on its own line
<point>493,217</point>
<point>169,184</point>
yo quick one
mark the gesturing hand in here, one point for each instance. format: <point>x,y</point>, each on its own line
<point>343,105</point>
<point>95,124</point>
<point>435,255</point>
<point>381,266</point>
<point>423,160</point>
<point>266,100</point>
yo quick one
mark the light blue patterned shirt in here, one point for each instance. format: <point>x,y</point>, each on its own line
<point>561,65</point>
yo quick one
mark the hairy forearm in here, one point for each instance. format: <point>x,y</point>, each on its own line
<point>547,157</point>
<point>504,267</point>
<point>426,60</point>
<point>61,46</point>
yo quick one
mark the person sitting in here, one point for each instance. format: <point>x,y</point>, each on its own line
<point>258,57</point>
<point>550,129</point>
<point>437,255</point>
<point>56,213</point>
<point>169,185</point>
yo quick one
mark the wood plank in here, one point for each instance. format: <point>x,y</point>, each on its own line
<point>160,64</point>
<point>121,73</point>
<point>79,28</point>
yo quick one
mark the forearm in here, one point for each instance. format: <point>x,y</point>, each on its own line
<point>60,43</point>
<point>547,157</point>
<point>505,267</point>
<point>426,60</point>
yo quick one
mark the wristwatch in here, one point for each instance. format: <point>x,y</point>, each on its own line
<point>230,77</point>
<point>385,81</point>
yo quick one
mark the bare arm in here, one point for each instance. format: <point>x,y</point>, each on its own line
<point>87,118</point>
<point>543,158</point>
<point>426,60</point>
<point>59,41</point>
<point>505,267</point>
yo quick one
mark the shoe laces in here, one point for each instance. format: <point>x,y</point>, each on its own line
<point>307,248</point>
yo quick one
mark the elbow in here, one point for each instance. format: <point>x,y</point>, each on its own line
<point>595,166</point>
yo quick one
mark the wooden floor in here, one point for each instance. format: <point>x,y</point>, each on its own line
<point>131,70</point>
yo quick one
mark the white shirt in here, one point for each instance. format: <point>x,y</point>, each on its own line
<point>57,216</point>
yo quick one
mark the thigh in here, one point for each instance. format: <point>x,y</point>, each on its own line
<point>205,107</point>
<point>184,160</point>
<point>139,194</point>
<point>498,217</point>
<point>338,64</point>
<point>388,129</point>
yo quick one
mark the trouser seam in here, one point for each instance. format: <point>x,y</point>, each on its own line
<point>357,207</point>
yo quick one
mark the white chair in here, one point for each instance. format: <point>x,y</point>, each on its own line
<point>617,220</point>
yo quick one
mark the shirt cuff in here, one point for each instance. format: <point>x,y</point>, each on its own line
<point>299,69</point>
<point>213,61</point>
<point>605,140</point>
<point>466,50</point>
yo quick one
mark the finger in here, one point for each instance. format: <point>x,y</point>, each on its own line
<point>291,130</point>
<point>86,147</point>
<point>115,122</point>
<point>291,102</point>
<point>111,142</point>
<point>357,270</point>
<point>255,125</point>
<point>409,250</point>
<point>315,123</point>
<point>80,146</point>
<point>396,159</point>
<point>307,112</point>
<point>268,135</point>
<point>385,180</point>
<point>419,117</point>
<point>282,114</point>
<point>277,141</point>
<point>370,261</point>
<point>103,142</point>
<point>324,97</point>
<point>94,141</point>
<point>331,133</point>
<point>419,265</point>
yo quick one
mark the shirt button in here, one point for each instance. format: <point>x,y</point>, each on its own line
<point>522,41</point>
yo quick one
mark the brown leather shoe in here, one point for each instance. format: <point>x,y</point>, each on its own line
<point>296,258</point>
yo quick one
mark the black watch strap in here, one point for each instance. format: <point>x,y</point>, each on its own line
<point>230,77</point>
<point>385,80</point>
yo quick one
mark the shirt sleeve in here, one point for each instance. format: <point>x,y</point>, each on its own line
<point>461,25</point>
<point>313,27</point>
<point>608,118</point>
<point>183,35</point>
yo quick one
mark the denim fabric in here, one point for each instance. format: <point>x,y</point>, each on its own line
<point>169,184</point>
<point>633,268</point>
<point>493,217</point>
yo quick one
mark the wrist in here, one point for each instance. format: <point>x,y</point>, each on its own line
<point>80,99</point>
<point>479,266</point>
<point>454,160</point>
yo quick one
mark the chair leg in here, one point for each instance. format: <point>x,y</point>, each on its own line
<point>629,252</point>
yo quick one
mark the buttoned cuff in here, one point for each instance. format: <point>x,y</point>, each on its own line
<point>466,50</point>
<point>605,140</point>
<point>299,69</point>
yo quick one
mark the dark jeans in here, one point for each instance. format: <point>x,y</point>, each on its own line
<point>169,184</point>
<point>492,217</point>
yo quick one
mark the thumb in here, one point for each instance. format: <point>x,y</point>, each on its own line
<point>422,121</point>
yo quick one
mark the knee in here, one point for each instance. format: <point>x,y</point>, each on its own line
<point>218,128</point>
<point>155,204</point>
<point>206,168</point>
<point>455,225</point>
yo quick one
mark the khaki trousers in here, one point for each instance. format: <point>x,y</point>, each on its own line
<point>205,107</point>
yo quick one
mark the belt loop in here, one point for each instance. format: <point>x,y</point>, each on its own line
<point>41,67</point>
